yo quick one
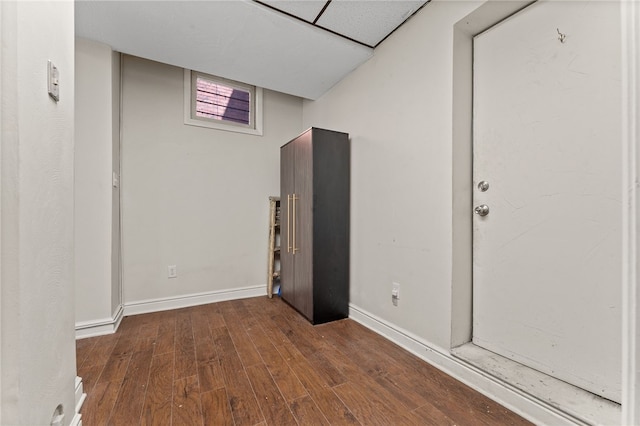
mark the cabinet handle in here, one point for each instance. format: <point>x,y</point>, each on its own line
<point>288,223</point>
<point>294,223</point>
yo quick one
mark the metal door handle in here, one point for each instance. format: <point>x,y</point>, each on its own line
<point>481,210</point>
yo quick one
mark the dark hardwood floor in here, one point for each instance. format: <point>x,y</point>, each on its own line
<point>258,362</point>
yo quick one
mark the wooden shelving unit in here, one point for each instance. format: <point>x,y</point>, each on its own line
<point>273,269</point>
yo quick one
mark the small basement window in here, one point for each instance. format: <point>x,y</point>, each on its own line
<point>222,104</point>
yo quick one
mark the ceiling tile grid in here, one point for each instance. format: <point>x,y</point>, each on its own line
<point>307,10</point>
<point>300,47</point>
<point>367,22</point>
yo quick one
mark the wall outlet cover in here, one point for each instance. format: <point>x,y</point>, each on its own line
<point>172,271</point>
<point>53,81</point>
<point>395,293</point>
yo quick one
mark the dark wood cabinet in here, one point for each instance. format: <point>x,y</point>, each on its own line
<point>314,194</point>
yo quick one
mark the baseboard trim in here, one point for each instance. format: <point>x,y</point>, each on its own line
<point>77,420</point>
<point>514,399</point>
<point>185,301</point>
<point>110,325</point>
<point>99,327</point>
<point>80,397</point>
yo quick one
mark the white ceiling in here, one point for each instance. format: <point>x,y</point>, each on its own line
<point>365,21</point>
<point>300,47</point>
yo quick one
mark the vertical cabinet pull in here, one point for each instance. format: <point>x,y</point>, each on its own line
<point>294,223</point>
<point>291,223</point>
<point>288,223</point>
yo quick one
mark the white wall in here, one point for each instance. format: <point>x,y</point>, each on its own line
<point>116,288</point>
<point>96,202</point>
<point>191,196</point>
<point>38,350</point>
<point>397,109</point>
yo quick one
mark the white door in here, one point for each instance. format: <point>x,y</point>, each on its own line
<point>547,256</point>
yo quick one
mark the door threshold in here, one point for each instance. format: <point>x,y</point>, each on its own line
<point>581,404</point>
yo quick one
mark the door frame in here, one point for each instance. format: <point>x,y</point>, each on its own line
<point>484,17</point>
<point>481,19</point>
<point>630,18</point>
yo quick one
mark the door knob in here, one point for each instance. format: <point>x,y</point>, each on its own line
<point>481,210</point>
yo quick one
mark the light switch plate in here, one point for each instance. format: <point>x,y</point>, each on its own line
<point>53,81</point>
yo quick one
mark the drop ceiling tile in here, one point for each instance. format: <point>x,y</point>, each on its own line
<point>307,10</point>
<point>368,21</point>
<point>249,42</point>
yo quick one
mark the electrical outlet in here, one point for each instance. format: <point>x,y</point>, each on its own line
<point>172,271</point>
<point>395,293</point>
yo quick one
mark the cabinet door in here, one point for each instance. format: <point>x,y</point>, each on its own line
<point>287,189</point>
<point>303,258</point>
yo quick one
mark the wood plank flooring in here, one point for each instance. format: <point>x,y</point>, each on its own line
<point>258,362</point>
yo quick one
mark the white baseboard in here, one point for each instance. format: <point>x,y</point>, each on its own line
<point>99,327</point>
<point>110,325</point>
<point>80,397</point>
<point>514,399</point>
<point>76,421</point>
<point>185,301</point>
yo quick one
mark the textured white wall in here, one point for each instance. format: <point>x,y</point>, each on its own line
<point>194,197</point>
<point>38,344</point>
<point>397,109</point>
<point>96,294</point>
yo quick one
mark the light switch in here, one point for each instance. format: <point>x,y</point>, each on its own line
<point>53,85</point>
